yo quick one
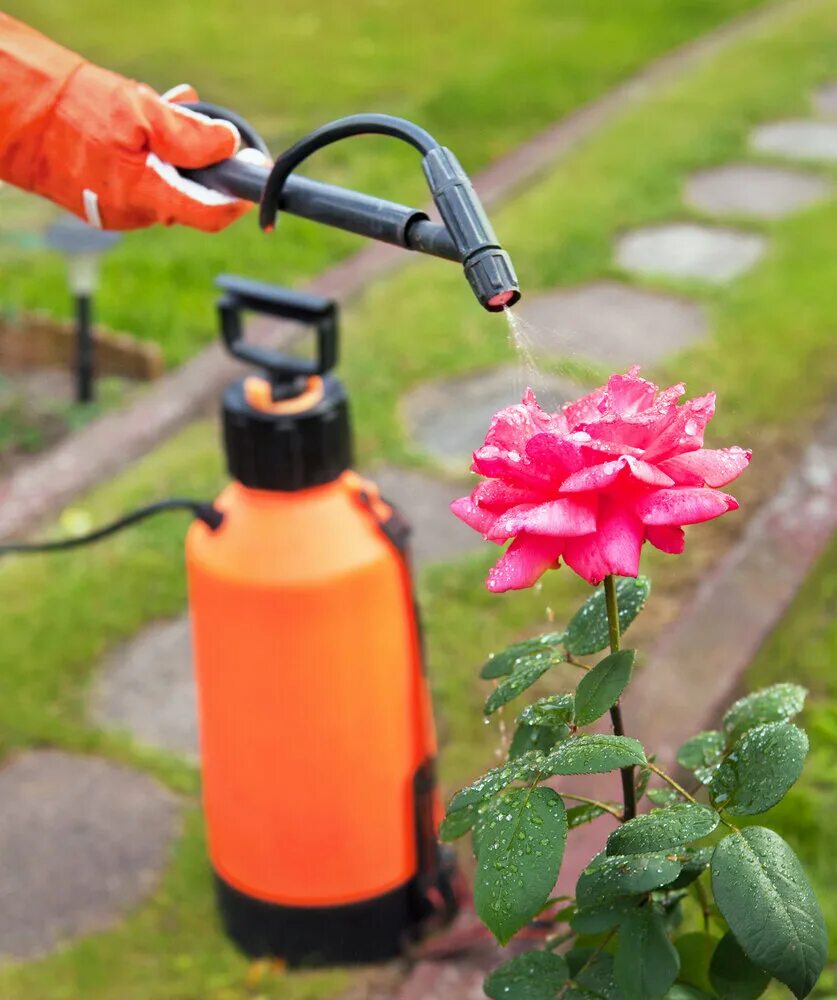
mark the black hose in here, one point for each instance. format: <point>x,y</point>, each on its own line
<point>206,512</point>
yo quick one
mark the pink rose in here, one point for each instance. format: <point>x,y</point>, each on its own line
<point>592,482</point>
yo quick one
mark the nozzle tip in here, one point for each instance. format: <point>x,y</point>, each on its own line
<point>501,299</point>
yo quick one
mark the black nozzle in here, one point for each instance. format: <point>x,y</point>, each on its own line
<point>488,267</point>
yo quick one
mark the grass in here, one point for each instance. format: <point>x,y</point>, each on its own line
<point>804,649</point>
<point>771,356</point>
<point>481,86</point>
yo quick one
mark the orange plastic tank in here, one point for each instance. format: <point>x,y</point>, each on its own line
<point>317,741</point>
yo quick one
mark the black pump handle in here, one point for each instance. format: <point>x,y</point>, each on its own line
<point>285,303</point>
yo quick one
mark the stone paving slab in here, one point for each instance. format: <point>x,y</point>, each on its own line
<point>801,139</point>
<point>825,100</point>
<point>611,323</point>
<point>448,418</point>
<point>752,189</point>
<point>82,842</point>
<point>689,250</point>
<point>146,686</point>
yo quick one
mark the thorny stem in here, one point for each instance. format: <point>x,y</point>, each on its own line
<point>628,786</point>
<point>613,810</point>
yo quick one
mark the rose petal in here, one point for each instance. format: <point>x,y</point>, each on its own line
<point>628,394</point>
<point>589,407</point>
<point>647,473</point>
<point>512,427</point>
<point>614,547</point>
<point>523,563</point>
<point>561,518</point>
<point>683,431</point>
<point>707,466</point>
<point>688,505</point>
<point>510,466</point>
<point>666,539</point>
<point>555,457</point>
<point>594,477</point>
<point>475,517</point>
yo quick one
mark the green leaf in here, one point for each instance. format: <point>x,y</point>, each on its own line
<point>586,813</point>
<point>588,632</point>
<point>695,861</point>
<point>733,975</point>
<point>664,797</point>
<point>695,950</point>
<point>682,992</point>
<point>555,710</point>
<point>646,962</point>
<point>541,738</point>
<point>501,664</point>
<point>597,919</point>
<point>778,703</point>
<point>457,824</point>
<point>534,975</point>
<point>599,689</point>
<point>526,672</point>
<point>663,829</point>
<point>520,850</point>
<point>523,768</point>
<point>760,768</point>
<point>702,754</point>
<point>594,975</point>
<point>607,878</point>
<point>593,753</point>
<point>764,896</point>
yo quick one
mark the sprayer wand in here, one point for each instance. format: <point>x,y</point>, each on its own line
<point>465,236</point>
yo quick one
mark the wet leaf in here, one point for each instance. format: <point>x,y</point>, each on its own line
<point>695,861</point>
<point>702,754</point>
<point>646,962</point>
<point>542,738</point>
<point>586,813</point>
<point>695,950</point>
<point>554,710</point>
<point>521,845</point>
<point>733,975</point>
<point>597,919</point>
<point>594,975</point>
<point>663,829</point>
<point>501,664</point>
<point>523,768</point>
<point>664,797</point>
<point>682,992</point>
<point>588,632</point>
<point>762,765</point>
<point>593,753</point>
<point>778,703</point>
<point>526,671</point>
<point>534,975</point>
<point>770,907</point>
<point>599,689</point>
<point>607,878</point>
<point>457,824</point>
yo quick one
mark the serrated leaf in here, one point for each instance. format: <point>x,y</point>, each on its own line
<point>597,919</point>
<point>501,664</point>
<point>593,753</point>
<point>646,962</point>
<point>663,829</point>
<point>521,847</point>
<point>586,813</point>
<point>599,689</point>
<point>664,797</point>
<point>762,765</point>
<point>778,703</point>
<point>607,878</point>
<point>526,672</point>
<point>702,754</point>
<point>695,861</point>
<point>457,824</point>
<point>555,710</point>
<point>588,632</point>
<point>523,768</point>
<point>733,975</point>
<point>770,907</point>
<point>534,975</point>
<point>541,738</point>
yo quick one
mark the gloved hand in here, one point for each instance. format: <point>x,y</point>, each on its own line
<point>102,146</point>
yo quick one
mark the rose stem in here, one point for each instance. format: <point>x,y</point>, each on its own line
<point>628,787</point>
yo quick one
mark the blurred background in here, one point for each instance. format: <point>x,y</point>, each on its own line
<point>662,173</point>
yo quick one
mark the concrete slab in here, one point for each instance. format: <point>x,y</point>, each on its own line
<point>802,139</point>
<point>757,190</point>
<point>82,842</point>
<point>825,100</point>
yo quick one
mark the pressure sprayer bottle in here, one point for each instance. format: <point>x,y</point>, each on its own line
<point>317,741</point>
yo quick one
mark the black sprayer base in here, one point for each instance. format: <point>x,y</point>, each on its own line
<point>373,930</point>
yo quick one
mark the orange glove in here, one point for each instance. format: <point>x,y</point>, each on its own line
<point>105,147</point>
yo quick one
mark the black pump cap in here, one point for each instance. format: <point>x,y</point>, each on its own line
<point>288,451</point>
<point>271,443</point>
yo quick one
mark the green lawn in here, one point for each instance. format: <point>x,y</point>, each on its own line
<point>480,82</point>
<point>771,356</point>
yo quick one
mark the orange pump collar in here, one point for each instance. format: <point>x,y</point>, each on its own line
<point>259,394</point>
